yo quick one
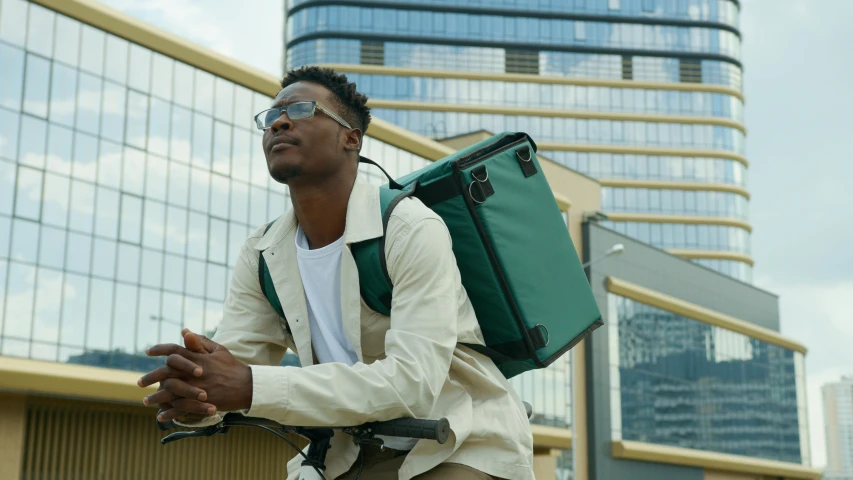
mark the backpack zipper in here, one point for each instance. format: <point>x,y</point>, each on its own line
<point>473,159</point>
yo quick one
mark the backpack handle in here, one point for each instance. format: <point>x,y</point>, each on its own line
<point>393,183</point>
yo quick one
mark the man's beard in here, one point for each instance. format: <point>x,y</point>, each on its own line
<point>286,174</point>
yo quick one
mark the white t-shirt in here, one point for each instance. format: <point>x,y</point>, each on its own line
<point>320,270</point>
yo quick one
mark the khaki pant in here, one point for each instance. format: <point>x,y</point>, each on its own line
<point>380,465</point>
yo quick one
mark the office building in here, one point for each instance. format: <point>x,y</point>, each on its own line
<point>644,95</point>
<point>130,174</point>
<point>838,424</point>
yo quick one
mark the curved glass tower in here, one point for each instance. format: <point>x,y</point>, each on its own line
<point>644,95</point>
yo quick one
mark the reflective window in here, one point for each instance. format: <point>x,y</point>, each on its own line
<point>48,303</point>
<point>133,171</point>
<point>33,141</point>
<point>680,382</point>
<point>106,224</point>
<point>19,297</point>
<point>11,76</point>
<point>67,48</point>
<point>59,144</point>
<point>162,76</point>
<point>92,43</point>
<point>116,59</point>
<point>104,258</point>
<point>57,192</point>
<point>25,241</point>
<point>89,103</point>
<point>79,256</point>
<point>675,202</point>
<point>131,219</point>
<point>128,264</point>
<point>7,186</point>
<point>13,26</point>
<point>9,127</point>
<point>40,30</point>
<point>28,196</point>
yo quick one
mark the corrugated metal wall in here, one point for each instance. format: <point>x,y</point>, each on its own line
<point>67,439</point>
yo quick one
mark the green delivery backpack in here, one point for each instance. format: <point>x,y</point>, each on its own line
<point>516,258</point>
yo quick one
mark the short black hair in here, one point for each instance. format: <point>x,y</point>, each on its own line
<point>352,103</point>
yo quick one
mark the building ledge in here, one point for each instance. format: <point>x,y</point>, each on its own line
<point>647,452</point>
<point>546,437</point>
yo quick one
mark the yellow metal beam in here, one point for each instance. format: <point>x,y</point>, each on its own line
<point>646,452</point>
<point>551,437</point>
<point>670,185</point>
<point>635,150</point>
<point>51,378</point>
<point>700,313</point>
<point>712,255</point>
<point>553,113</point>
<point>528,78</point>
<point>407,140</point>
<point>687,219</point>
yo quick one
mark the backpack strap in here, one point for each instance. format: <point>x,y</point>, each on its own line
<point>375,283</point>
<point>267,287</point>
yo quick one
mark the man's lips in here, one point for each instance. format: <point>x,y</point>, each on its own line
<point>280,143</point>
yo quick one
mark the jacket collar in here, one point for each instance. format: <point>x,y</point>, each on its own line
<point>363,221</point>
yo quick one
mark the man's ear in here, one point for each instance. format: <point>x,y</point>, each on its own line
<point>353,138</point>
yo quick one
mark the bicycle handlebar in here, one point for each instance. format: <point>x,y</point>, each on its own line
<point>438,430</point>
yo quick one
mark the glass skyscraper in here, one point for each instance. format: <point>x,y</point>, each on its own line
<point>644,95</point>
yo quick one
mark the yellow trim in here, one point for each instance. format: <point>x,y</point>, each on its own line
<point>669,185</point>
<point>562,201</point>
<point>407,140</point>
<point>35,376</point>
<point>551,437</point>
<point>527,78</point>
<point>688,219</point>
<point>141,33</point>
<point>712,255</point>
<point>646,452</point>
<point>701,314</point>
<point>553,113</point>
<point>633,150</point>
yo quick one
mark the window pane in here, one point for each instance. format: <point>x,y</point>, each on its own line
<point>137,119</point>
<point>52,251</point>
<point>239,202</point>
<point>106,224</point>
<point>128,263</point>
<point>194,314</point>
<point>124,319</point>
<point>79,256</point>
<point>158,127</point>
<point>258,207</point>
<point>195,279</point>
<point>28,197</point>
<point>242,107</point>
<point>140,68</point>
<point>37,81</point>
<point>152,268</point>
<point>171,319</point>
<point>197,236</point>
<point>222,148</point>
<point>241,155</point>
<point>85,162</point>
<point>25,240</point>
<point>33,136</point>
<point>104,253</point>
<point>212,317</point>
<point>109,165</point>
<point>224,103</point>
<point>161,78</point>
<point>184,81</point>
<point>7,186</point>
<point>176,230</point>
<point>5,240</point>
<point>89,104</point>
<point>131,219</point>
<point>100,315</point>
<point>63,95</point>
<point>200,190</point>
<point>218,241</point>
<point>48,305</point>
<point>181,135</point>
<point>9,123</point>
<point>155,224</point>
<point>59,150</point>
<point>155,178</point>
<point>67,47</point>
<point>133,172</point>
<point>116,59</point>
<point>115,101</point>
<point>203,92</point>
<point>216,282</point>
<point>147,324</point>
<point>81,217</point>
<point>74,301</point>
<point>11,77</point>
<point>57,191</point>
<point>237,235</point>
<point>178,184</point>
<point>40,30</point>
<point>173,278</point>
<point>92,50</point>
<point>19,302</point>
<point>202,140</point>
<point>12,26</point>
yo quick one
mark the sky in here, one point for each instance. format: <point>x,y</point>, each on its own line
<point>799,115</point>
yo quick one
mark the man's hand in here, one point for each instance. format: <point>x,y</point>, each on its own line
<point>198,383</point>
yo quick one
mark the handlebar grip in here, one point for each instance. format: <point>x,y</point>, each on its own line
<point>164,426</point>
<point>438,430</point>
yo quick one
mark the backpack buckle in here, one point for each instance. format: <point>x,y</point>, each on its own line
<point>481,185</point>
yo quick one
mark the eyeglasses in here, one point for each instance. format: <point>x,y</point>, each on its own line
<point>295,111</point>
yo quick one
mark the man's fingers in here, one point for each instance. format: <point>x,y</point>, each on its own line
<point>198,343</point>
<point>164,349</point>
<point>161,398</point>
<point>184,365</point>
<point>157,375</point>
<point>194,406</point>
<point>182,389</point>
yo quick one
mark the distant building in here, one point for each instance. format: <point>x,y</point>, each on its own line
<point>838,425</point>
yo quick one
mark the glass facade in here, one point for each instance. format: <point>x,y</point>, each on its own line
<point>679,382</point>
<point>689,42</point>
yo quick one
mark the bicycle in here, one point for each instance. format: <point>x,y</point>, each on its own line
<point>320,437</point>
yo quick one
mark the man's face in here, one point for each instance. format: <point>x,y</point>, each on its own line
<point>312,147</point>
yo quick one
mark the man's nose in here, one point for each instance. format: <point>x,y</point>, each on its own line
<point>283,122</point>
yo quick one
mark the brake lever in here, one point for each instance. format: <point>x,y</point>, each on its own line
<point>201,432</point>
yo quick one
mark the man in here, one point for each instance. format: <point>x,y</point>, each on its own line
<point>358,365</point>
